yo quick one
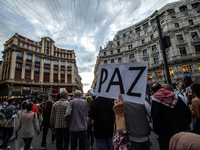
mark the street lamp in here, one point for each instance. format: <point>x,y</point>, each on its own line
<point>27,79</point>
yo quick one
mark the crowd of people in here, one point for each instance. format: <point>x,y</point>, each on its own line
<point>101,123</point>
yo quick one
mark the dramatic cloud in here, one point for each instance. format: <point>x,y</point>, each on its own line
<point>79,25</point>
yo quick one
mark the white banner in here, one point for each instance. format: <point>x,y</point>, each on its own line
<point>128,79</point>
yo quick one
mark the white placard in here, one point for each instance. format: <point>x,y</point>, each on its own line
<point>128,79</point>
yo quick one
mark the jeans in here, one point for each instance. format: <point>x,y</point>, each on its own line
<point>62,136</point>
<point>27,143</point>
<point>141,146</point>
<point>103,144</point>
<point>7,134</point>
<point>90,137</point>
<point>81,135</point>
<point>44,135</point>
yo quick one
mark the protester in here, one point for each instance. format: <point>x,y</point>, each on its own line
<point>187,81</point>
<point>58,123</point>
<point>36,108</point>
<point>137,124</point>
<point>185,141</point>
<point>90,134</point>
<point>46,123</point>
<point>76,115</point>
<point>22,110</point>
<point>121,139</point>
<point>102,113</point>
<point>27,125</point>
<point>8,112</point>
<point>195,108</point>
<point>169,113</point>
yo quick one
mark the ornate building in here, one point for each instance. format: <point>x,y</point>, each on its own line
<point>140,42</point>
<point>31,67</point>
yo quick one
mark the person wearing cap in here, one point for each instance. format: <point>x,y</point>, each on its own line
<point>76,115</point>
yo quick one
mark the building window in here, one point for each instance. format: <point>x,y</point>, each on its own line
<point>131,32</point>
<point>117,37</point>
<point>197,48</point>
<point>18,43</point>
<point>22,44</point>
<point>69,64</point>
<point>58,54</point>
<point>118,43</point>
<point>31,47</point>
<point>19,55</point>
<point>37,59</point>
<point>18,66</point>
<point>55,63</point>
<point>131,56</point>
<point>26,45</point>
<point>153,47</point>
<point>145,31</point>
<point>46,61</point>
<point>179,37</point>
<point>111,52</point>
<point>54,53</point>
<point>162,31</point>
<point>105,61</point>
<point>145,25</point>
<point>153,21</point>
<point>138,34</point>
<point>152,37</point>
<point>176,25</point>
<point>153,27</point>
<point>46,71</point>
<point>162,15</point>
<point>28,57</point>
<point>186,14</point>
<point>124,35</point>
<point>194,35</point>
<point>183,50</point>
<point>144,51</point>
<point>118,50</point>
<point>170,11</point>
<point>183,8</point>
<point>171,72</point>
<point>143,41</point>
<point>62,63</point>
<point>137,29</point>
<point>112,61</point>
<point>190,22</point>
<point>149,76</point>
<point>119,59</point>
<point>162,21</point>
<point>37,70</point>
<point>187,69</point>
<point>173,17</point>
<point>198,11</point>
<point>40,50</point>
<point>123,40</point>
<point>195,5</point>
<point>36,49</point>
<point>156,60</point>
<point>159,74</point>
<point>28,68</point>
<point>199,66</point>
<point>104,53</point>
<point>130,46</point>
<point>167,55</point>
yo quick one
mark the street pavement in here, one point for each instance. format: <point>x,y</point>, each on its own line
<point>36,143</point>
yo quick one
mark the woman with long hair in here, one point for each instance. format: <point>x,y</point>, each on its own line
<point>27,125</point>
<point>195,108</point>
<point>46,123</point>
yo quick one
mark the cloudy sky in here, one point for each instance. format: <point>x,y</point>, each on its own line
<point>79,25</point>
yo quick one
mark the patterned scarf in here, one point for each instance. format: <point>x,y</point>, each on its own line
<point>8,112</point>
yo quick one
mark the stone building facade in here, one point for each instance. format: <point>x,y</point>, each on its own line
<point>31,67</point>
<point>140,42</point>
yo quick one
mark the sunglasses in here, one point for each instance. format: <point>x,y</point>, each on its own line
<point>186,75</point>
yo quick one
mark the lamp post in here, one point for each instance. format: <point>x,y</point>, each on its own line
<point>58,86</point>
<point>162,65</point>
<point>157,15</point>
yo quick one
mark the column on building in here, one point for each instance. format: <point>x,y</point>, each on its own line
<point>12,65</point>
<point>59,70</point>
<point>188,38</point>
<point>41,70</point>
<point>173,46</point>
<point>52,48</point>
<point>51,71</point>
<point>32,68</point>
<point>73,73</point>
<point>23,66</point>
<point>43,45</point>
<point>66,72</point>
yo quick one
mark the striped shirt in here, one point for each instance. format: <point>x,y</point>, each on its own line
<point>57,119</point>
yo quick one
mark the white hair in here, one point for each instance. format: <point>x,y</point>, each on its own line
<point>63,93</point>
<point>78,93</point>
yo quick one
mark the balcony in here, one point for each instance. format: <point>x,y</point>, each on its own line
<point>132,59</point>
<point>196,40</point>
<point>145,55</point>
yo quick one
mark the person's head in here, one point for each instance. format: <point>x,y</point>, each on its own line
<point>29,106</point>
<point>155,87</point>
<point>35,101</point>
<point>24,105</point>
<point>187,81</point>
<point>64,94</point>
<point>195,88</point>
<point>11,101</point>
<point>196,81</point>
<point>89,100</point>
<point>48,105</point>
<point>168,87</point>
<point>77,93</point>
